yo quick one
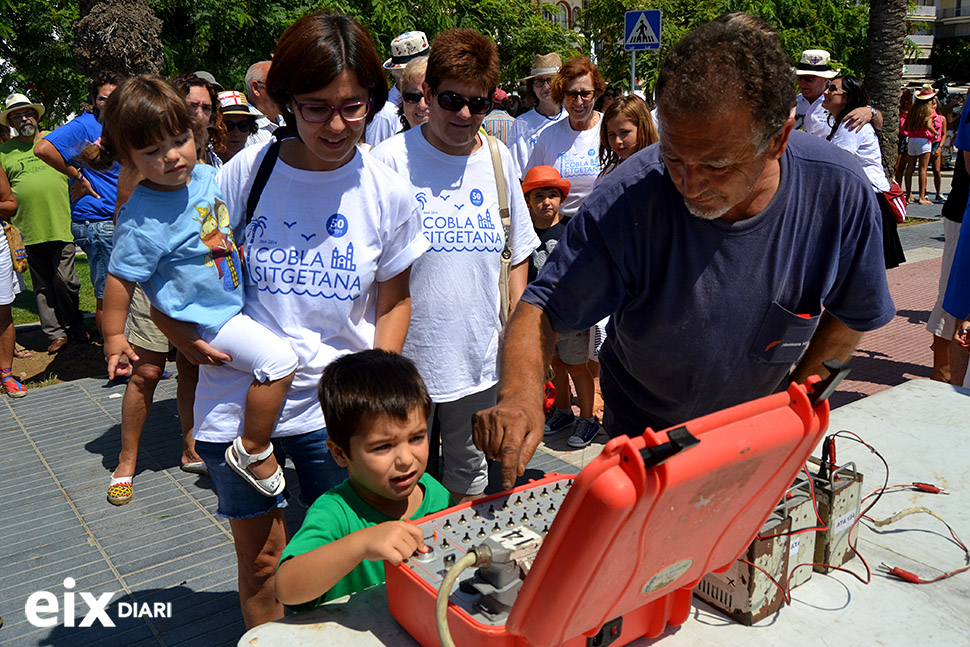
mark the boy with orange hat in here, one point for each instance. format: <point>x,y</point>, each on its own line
<point>544,191</point>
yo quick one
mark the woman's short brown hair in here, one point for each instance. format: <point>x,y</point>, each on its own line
<point>314,51</point>
<point>574,68</point>
<point>463,55</point>
<point>141,112</point>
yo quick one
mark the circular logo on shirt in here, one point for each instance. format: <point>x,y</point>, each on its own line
<point>476,197</point>
<point>337,225</point>
<point>592,152</point>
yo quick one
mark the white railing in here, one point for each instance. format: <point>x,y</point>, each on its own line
<point>922,12</point>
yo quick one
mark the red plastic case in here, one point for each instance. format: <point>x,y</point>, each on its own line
<point>632,541</point>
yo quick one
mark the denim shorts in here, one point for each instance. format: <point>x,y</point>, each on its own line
<point>315,469</point>
<point>96,238</point>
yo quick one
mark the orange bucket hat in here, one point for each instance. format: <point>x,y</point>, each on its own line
<point>543,176</point>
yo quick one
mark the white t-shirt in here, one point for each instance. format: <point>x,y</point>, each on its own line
<point>525,133</point>
<point>812,117</point>
<point>386,122</point>
<point>455,327</point>
<point>864,145</point>
<point>575,154</point>
<point>318,244</point>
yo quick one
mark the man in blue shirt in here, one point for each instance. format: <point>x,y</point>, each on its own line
<point>93,193</point>
<point>726,255</point>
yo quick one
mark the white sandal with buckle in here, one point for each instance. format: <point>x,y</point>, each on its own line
<point>239,460</point>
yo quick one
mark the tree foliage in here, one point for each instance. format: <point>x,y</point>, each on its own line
<point>951,58</point>
<point>225,36</point>
<point>838,26</point>
<point>36,58</point>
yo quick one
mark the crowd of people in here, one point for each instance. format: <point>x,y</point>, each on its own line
<point>371,283</point>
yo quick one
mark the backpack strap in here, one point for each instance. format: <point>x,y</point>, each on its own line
<point>264,171</point>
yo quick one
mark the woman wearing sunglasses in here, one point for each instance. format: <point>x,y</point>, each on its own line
<point>843,95</point>
<point>239,121</point>
<point>328,254</point>
<point>571,146</point>
<point>413,108</point>
<point>455,323</point>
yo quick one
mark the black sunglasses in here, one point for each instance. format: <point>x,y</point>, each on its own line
<point>453,102</point>
<point>831,87</point>
<point>412,97</point>
<point>239,125</point>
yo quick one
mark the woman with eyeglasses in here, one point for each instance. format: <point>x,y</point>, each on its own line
<point>843,95</point>
<point>413,108</point>
<point>572,145</point>
<point>456,319</point>
<point>328,254</point>
<point>203,100</point>
<point>547,111</point>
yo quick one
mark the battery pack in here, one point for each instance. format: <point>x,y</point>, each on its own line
<point>839,495</point>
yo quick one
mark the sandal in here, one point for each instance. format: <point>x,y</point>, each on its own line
<point>119,490</point>
<point>22,353</point>
<point>11,385</point>
<point>239,460</point>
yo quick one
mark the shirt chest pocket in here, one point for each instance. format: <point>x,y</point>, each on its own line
<point>783,336</point>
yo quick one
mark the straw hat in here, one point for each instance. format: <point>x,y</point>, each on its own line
<point>18,101</point>
<point>544,65</point>
<point>543,176</point>
<point>815,62</point>
<point>405,48</point>
<point>234,103</point>
<point>925,93</point>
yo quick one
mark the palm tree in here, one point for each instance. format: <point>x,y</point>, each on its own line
<point>885,49</point>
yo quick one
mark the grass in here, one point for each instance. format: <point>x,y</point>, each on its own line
<point>25,305</point>
<point>910,221</point>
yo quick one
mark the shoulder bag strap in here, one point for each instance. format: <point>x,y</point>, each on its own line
<point>503,210</point>
<point>264,171</point>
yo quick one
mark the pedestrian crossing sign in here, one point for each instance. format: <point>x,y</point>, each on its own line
<point>642,30</point>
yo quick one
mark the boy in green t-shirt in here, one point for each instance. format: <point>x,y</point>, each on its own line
<point>376,407</point>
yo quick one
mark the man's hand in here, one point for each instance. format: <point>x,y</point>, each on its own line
<point>961,334</point>
<point>859,117</point>
<point>394,541</point>
<point>82,188</point>
<point>509,432</point>
<point>117,352</point>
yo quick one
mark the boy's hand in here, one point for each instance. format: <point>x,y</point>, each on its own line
<point>116,348</point>
<point>393,541</point>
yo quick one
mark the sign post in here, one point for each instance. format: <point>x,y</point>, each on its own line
<point>642,32</point>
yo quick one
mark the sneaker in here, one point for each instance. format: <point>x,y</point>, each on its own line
<point>583,432</point>
<point>939,198</point>
<point>559,420</point>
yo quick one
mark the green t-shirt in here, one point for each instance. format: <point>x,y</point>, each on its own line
<point>43,207</point>
<point>341,511</point>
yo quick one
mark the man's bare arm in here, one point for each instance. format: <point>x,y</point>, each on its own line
<point>832,340</point>
<point>48,154</point>
<point>511,430</point>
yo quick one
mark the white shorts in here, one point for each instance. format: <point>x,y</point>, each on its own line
<point>941,323</point>
<point>254,348</point>
<point>918,146</point>
<point>11,283</point>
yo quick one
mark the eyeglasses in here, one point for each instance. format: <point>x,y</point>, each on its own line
<point>412,97</point>
<point>241,126</point>
<point>585,95</point>
<point>321,113</point>
<point>834,89</point>
<point>453,102</point>
<point>204,107</point>
<point>538,83</point>
<point>26,114</point>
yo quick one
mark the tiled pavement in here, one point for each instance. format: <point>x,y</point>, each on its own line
<point>59,444</point>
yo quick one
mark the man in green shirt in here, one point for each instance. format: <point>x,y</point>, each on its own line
<point>44,219</point>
